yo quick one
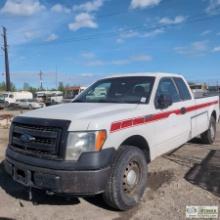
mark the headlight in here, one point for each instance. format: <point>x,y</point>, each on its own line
<point>79,142</point>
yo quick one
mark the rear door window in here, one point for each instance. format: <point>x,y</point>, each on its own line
<point>167,87</point>
<point>183,90</point>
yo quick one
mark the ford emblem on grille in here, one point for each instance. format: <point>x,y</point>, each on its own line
<point>26,138</point>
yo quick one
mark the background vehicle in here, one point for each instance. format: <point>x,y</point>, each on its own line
<point>12,97</point>
<point>103,143</point>
<point>41,95</point>
<point>2,100</point>
<point>29,104</point>
<point>72,91</point>
<point>56,97</point>
<point>199,90</point>
<point>49,97</point>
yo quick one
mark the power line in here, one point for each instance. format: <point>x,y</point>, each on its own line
<point>102,15</point>
<point>110,34</point>
<point>112,14</point>
<point>137,28</point>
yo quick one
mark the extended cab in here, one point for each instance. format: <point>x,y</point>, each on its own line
<point>103,141</point>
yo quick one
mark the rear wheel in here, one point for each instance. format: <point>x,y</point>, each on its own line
<point>128,179</point>
<point>208,137</point>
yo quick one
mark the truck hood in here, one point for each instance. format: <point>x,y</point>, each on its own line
<point>81,114</point>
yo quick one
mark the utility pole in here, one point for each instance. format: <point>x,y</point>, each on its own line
<point>56,79</point>
<point>41,80</point>
<point>5,50</point>
<point>217,86</point>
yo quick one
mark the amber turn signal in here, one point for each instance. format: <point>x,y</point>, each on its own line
<point>100,139</point>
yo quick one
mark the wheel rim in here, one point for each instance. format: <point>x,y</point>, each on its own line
<point>212,131</point>
<point>131,177</point>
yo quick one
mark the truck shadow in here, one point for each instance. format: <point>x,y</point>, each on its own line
<point>186,160</point>
<point>4,218</point>
<point>182,160</point>
<point>196,140</point>
<point>206,174</point>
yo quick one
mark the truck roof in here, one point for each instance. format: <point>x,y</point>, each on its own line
<point>155,74</point>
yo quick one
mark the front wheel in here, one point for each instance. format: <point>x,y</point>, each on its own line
<point>128,178</point>
<point>208,137</point>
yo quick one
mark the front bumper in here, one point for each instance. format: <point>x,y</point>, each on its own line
<point>76,181</point>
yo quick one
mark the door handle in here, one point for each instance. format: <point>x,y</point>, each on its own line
<point>183,110</point>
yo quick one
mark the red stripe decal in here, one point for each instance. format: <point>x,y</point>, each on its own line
<point>126,123</point>
<point>115,126</point>
<point>138,121</point>
<point>193,108</point>
<point>142,120</point>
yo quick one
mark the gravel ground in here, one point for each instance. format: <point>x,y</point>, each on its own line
<point>188,176</point>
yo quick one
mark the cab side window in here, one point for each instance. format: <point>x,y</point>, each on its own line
<point>183,90</point>
<point>167,88</point>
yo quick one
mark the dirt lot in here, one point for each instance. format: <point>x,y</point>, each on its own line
<point>187,176</point>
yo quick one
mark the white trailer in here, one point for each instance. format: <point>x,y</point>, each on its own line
<point>50,97</point>
<point>9,98</point>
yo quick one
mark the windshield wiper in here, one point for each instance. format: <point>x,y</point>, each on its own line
<point>77,100</point>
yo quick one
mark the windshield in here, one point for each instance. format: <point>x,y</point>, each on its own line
<point>118,90</point>
<point>3,96</point>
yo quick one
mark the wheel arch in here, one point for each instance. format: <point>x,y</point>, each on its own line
<point>140,142</point>
<point>214,114</point>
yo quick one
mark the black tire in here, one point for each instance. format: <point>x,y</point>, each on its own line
<point>208,137</point>
<point>30,107</point>
<point>124,188</point>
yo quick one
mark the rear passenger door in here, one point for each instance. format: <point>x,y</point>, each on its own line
<point>169,132</point>
<point>187,102</point>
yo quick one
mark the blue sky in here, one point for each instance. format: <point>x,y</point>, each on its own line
<point>86,40</point>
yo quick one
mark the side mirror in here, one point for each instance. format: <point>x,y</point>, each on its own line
<point>164,101</point>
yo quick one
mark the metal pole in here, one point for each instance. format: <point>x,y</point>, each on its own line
<point>41,80</point>
<point>56,79</point>
<point>5,49</point>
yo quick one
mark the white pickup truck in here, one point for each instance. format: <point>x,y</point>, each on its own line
<point>103,142</point>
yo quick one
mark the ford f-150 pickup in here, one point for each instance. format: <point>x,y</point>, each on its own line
<point>103,141</point>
